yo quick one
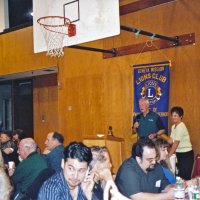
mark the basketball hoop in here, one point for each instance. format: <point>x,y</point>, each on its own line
<point>54,29</point>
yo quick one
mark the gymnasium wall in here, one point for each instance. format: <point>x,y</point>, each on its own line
<point>94,93</point>
<point>45,98</point>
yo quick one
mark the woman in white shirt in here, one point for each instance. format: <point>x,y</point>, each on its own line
<point>181,144</point>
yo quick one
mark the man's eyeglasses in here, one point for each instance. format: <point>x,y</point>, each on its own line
<point>151,160</point>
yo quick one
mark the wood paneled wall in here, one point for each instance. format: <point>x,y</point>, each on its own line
<point>100,91</point>
<point>45,98</point>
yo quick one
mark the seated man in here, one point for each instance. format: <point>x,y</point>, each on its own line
<point>140,177</point>
<point>29,169</point>
<point>101,167</point>
<point>72,182</point>
<point>54,150</point>
<point>8,147</point>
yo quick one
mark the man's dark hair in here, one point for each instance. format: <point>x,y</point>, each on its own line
<point>58,137</point>
<point>77,150</point>
<point>8,133</point>
<point>178,110</point>
<point>138,147</point>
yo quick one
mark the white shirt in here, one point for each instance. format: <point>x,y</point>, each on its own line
<point>180,133</point>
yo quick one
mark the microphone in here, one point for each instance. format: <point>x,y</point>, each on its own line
<point>137,118</point>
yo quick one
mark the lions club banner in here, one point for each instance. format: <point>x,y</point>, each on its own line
<point>152,81</point>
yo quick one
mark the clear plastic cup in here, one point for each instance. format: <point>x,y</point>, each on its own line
<point>11,164</point>
<point>179,193</point>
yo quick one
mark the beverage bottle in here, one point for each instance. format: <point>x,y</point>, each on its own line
<point>189,191</point>
<point>195,193</point>
<point>179,182</point>
<point>179,190</point>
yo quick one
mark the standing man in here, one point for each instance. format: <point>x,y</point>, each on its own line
<point>73,182</point>
<point>148,123</point>
<point>140,177</point>
<point>27,170</point>
<point>54,150</point>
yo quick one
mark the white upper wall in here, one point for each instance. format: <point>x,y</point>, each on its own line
<point>4,22</point>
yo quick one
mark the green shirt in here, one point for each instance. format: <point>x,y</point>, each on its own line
<point>151,123</point>
<point>27,171</point>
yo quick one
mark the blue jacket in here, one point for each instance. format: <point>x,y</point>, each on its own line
<point>54,158</point>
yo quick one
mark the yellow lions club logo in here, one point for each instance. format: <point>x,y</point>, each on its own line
<point>152,91</point>
<point>143,92</point>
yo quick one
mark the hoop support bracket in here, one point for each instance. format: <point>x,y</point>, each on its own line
<point>152,35</point>
<point>185,39</point>
<point>111,51</point>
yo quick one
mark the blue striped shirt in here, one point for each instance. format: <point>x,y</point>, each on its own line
<point>56,188</point>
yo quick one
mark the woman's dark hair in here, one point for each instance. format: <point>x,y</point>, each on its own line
<point>20,133</point>
<point>159,144</point>
<point>77,150</point>
<point>178,110</point>
<point>138,147</point>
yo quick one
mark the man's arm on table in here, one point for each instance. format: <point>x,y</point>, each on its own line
<point>168,195</point>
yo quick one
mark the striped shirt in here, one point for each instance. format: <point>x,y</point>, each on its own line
<point>56,188</point>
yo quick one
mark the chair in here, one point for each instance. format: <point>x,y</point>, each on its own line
<point>33,190</point>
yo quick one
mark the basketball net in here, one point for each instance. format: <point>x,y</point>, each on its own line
<point>54,29</point>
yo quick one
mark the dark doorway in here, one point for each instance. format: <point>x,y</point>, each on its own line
<point>16,106</point>
<point>23,106</point>
<point>6,106</point>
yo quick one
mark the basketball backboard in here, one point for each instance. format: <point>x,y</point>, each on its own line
<point>94,19</point>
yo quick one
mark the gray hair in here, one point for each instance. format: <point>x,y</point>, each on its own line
<point>98,154</point>
<point>144,99</point>
<point>30,143</point>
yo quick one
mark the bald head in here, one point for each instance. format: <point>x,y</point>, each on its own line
<point>26,147</point>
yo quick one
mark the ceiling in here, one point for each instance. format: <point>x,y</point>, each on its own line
<point>28,74</point>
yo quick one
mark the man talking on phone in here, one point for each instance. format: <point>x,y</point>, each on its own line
<point>74,181</point>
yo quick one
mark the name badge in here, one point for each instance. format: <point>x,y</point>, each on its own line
<point>158,183</point>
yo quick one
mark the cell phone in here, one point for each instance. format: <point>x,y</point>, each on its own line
<point>88,171</point>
